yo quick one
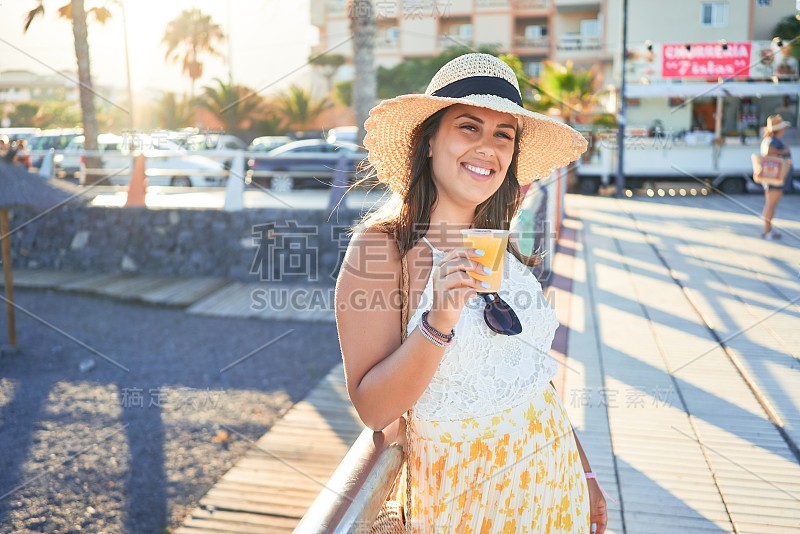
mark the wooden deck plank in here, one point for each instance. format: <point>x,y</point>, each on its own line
<point>236,300</point>
<point>277,480</point>
<point>645,326</point>
<point>217,302</point>
<point>133,286</point>
<point>92,282</point>
<point>45,278</point>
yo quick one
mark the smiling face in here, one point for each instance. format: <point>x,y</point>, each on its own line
<point>471,152</point>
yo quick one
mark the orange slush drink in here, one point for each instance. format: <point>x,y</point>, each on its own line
<point>493,243</point>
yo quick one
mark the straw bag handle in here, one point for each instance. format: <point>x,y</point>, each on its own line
<point>404,311</point>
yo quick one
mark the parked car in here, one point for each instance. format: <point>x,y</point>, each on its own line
<point>68,163</point>
<point>182,169</point>
<point>15,134</point>
<point>208,143</point>
<point>343,133</point>
<point>268,142</point>
<point>307,163</point>
<point>47,139</point>
<point>167,164</point>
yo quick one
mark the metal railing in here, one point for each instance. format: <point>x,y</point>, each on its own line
<point>531,4</point>
<point>518,4</point>
<point>522,41</point>
<point>579,42</point>
<point>354,494</point>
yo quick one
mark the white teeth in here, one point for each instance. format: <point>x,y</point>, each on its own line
<point>485,172</point>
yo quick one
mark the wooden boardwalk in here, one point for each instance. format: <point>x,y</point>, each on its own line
<point>690,322</point>
<point>161,290</point>
<point>272,486</point>
<point>268,301</point>
<point>208,296</point>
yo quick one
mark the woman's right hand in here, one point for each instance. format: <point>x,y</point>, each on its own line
<point>453,286</point>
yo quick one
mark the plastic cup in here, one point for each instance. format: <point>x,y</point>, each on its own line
<point>493,243</point>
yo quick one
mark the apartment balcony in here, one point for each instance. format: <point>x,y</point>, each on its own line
<point>513,4</point>
<point>577,5</point>
<point>530,5</point>
<point>447,40</point>
<point>317,8</point>
<point>578,42</point>
<point>581,47</point>
<point>531,45</point>
<point>385,43</point>
<point>337,7</point>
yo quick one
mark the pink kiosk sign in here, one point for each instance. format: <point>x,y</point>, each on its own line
<point>706,60</point>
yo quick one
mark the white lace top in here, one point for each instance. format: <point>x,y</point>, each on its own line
<point>483,372</point>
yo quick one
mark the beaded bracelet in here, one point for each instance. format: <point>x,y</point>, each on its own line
<point>433,335</point>
<point>432,330</point>
<point>591,474</point>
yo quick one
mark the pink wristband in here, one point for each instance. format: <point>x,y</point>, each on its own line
<point>591,474</point>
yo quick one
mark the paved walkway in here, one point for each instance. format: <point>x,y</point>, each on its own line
<point>679,348</point>
<point>691,324</point>
<point>209,296</point>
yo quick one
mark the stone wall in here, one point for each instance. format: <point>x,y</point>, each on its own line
<point>251,245</point>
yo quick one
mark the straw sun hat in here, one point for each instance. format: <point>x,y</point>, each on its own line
<point>478,80</point>
<point>776,122</point>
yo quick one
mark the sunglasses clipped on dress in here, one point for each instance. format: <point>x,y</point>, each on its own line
<point>499,316</point>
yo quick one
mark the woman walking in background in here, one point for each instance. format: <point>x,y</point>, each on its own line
<point>773,146</point>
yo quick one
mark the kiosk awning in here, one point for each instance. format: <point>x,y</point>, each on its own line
<point>685,90</point>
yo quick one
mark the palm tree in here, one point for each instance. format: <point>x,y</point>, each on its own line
<point>298,108</point>
<point>187,37</point>
<point>77,13</point>
<point>230,103</point>
<point>268,123</point>
<point>788,30</point>
<point>328,64</point>
<point>413,74</point>
<point>174,114</point>
<point>525,85</point>
<point>24,114</point>
<point>571,91</point>
<point>365,86</point>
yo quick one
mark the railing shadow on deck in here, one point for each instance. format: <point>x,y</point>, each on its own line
<point>354,494</point>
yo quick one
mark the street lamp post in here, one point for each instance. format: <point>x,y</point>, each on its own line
<point>127,63</point>
<point>620,182</point>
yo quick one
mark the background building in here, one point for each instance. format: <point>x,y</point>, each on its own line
<point>25,86</point>
<point>588,32</point>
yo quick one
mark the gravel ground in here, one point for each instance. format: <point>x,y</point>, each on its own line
<point>115,450</point>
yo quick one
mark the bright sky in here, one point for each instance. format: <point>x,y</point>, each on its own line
<point>270,39</point>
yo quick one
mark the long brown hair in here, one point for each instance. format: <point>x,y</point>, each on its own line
<point>407,217</point>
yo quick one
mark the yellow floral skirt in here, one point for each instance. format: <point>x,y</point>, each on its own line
<point>514,471</point>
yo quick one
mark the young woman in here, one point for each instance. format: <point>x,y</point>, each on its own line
<point>773,146</point>
<point>492,449</point>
